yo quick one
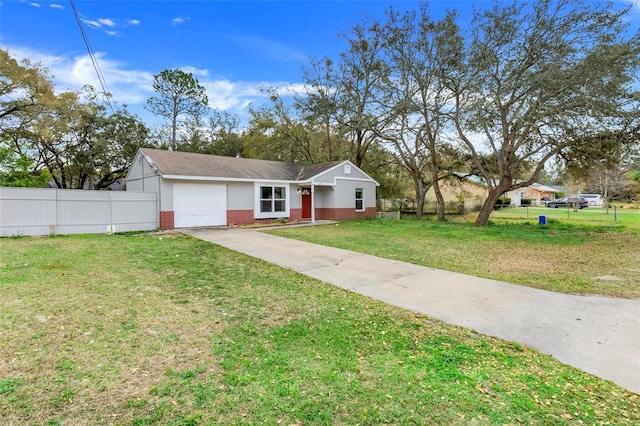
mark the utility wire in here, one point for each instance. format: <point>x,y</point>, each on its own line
<point>94,60</point>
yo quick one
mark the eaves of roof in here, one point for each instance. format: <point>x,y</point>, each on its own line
<point>189,165</point>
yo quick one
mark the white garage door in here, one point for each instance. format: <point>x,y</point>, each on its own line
<point>199,205</point>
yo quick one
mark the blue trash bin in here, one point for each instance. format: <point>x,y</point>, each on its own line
<point>542,220</point>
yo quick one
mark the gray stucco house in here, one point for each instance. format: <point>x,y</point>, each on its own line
<point>210,190</point>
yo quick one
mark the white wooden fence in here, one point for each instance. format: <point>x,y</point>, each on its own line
<point>33,211</point>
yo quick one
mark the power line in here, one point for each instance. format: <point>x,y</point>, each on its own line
<point>94,60</point>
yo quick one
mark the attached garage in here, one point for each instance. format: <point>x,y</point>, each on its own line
<point>199,204</point>
<point>200,190</point>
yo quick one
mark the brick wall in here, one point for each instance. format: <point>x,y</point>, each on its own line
<point>245,217</point>
<point>295,214</point>
<point>344,214</point>
<point>239,217</point>
<point>166,220</point>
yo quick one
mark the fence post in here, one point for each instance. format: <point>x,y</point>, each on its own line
<point>111,230</point>
<point>54,227</point>
<point>55,213</point>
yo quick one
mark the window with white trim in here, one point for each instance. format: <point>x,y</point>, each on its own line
<point>273,199</point>
<point>359,199</point>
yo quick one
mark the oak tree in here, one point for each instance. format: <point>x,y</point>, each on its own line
<point>536,77</point>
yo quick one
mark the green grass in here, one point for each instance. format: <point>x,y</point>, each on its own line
<point>145,330</point>
<point>626,217</point>
<point>583,255</point>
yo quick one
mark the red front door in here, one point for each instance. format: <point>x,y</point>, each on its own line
<point>306,204</point>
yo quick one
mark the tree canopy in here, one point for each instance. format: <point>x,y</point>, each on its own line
<point>68,137</point>
<point>538,78</point>
<point>178,94</point>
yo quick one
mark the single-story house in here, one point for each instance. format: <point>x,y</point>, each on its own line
<point>211,190</point>
<point>536,192</point>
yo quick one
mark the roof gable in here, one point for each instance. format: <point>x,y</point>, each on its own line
<point>188,164</point>
<point>335,165</point>
<point>543,188</point>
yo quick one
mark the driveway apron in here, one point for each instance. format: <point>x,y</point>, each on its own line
<point>598,335</point>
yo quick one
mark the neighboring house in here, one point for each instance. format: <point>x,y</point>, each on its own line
<point>461,187</point>
<point>472,189</point>
<point>536,192</point>
<point>210,190</point>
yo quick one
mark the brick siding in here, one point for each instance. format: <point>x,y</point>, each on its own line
<point>295,214</point>
<point>245,217</point>
<point>239,217</point>
<point>344,214</point>
<point>166,220</point>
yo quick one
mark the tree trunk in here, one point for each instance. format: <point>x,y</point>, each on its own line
<point>328,128</point>
<point>90,176</point>
<point>489,203</point>
<point>358,156</point>
<point>439,200</point>
<point>361,148</point>
<point>174,132</point>
<point>436,186</point>
<point>419,187</point>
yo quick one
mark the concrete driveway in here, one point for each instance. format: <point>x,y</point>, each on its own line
<point>598,335</point>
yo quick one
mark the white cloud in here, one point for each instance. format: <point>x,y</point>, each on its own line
<point>34,4</point>
<point>236,96</point>
<point>73,72</point>
<point>107,22</point>
<point>227,95</point>
<point>56,6</point>
<point>126,86</point>
<point>134,87</point>
<point>91,23</point>
<point>177,21</point>
<point>100,22</point>
<point>197,72</point>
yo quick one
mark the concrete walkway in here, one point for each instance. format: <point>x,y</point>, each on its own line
<point>596,334</point>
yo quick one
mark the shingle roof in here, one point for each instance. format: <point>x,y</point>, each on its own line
<point>177,163</point>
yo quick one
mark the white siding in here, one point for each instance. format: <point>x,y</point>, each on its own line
<point>345,193</point>
<point>339,172</point>
<point>324,197</point>
<point>240,196</point>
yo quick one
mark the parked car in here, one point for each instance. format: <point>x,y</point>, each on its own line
<point>568,202</point>
<point>596,200</point>
<point>545,200</point>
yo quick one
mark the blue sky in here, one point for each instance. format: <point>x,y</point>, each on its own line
<point>232,47</point>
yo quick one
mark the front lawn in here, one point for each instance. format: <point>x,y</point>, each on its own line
<point>169,330</point>
<point>587,255</point>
